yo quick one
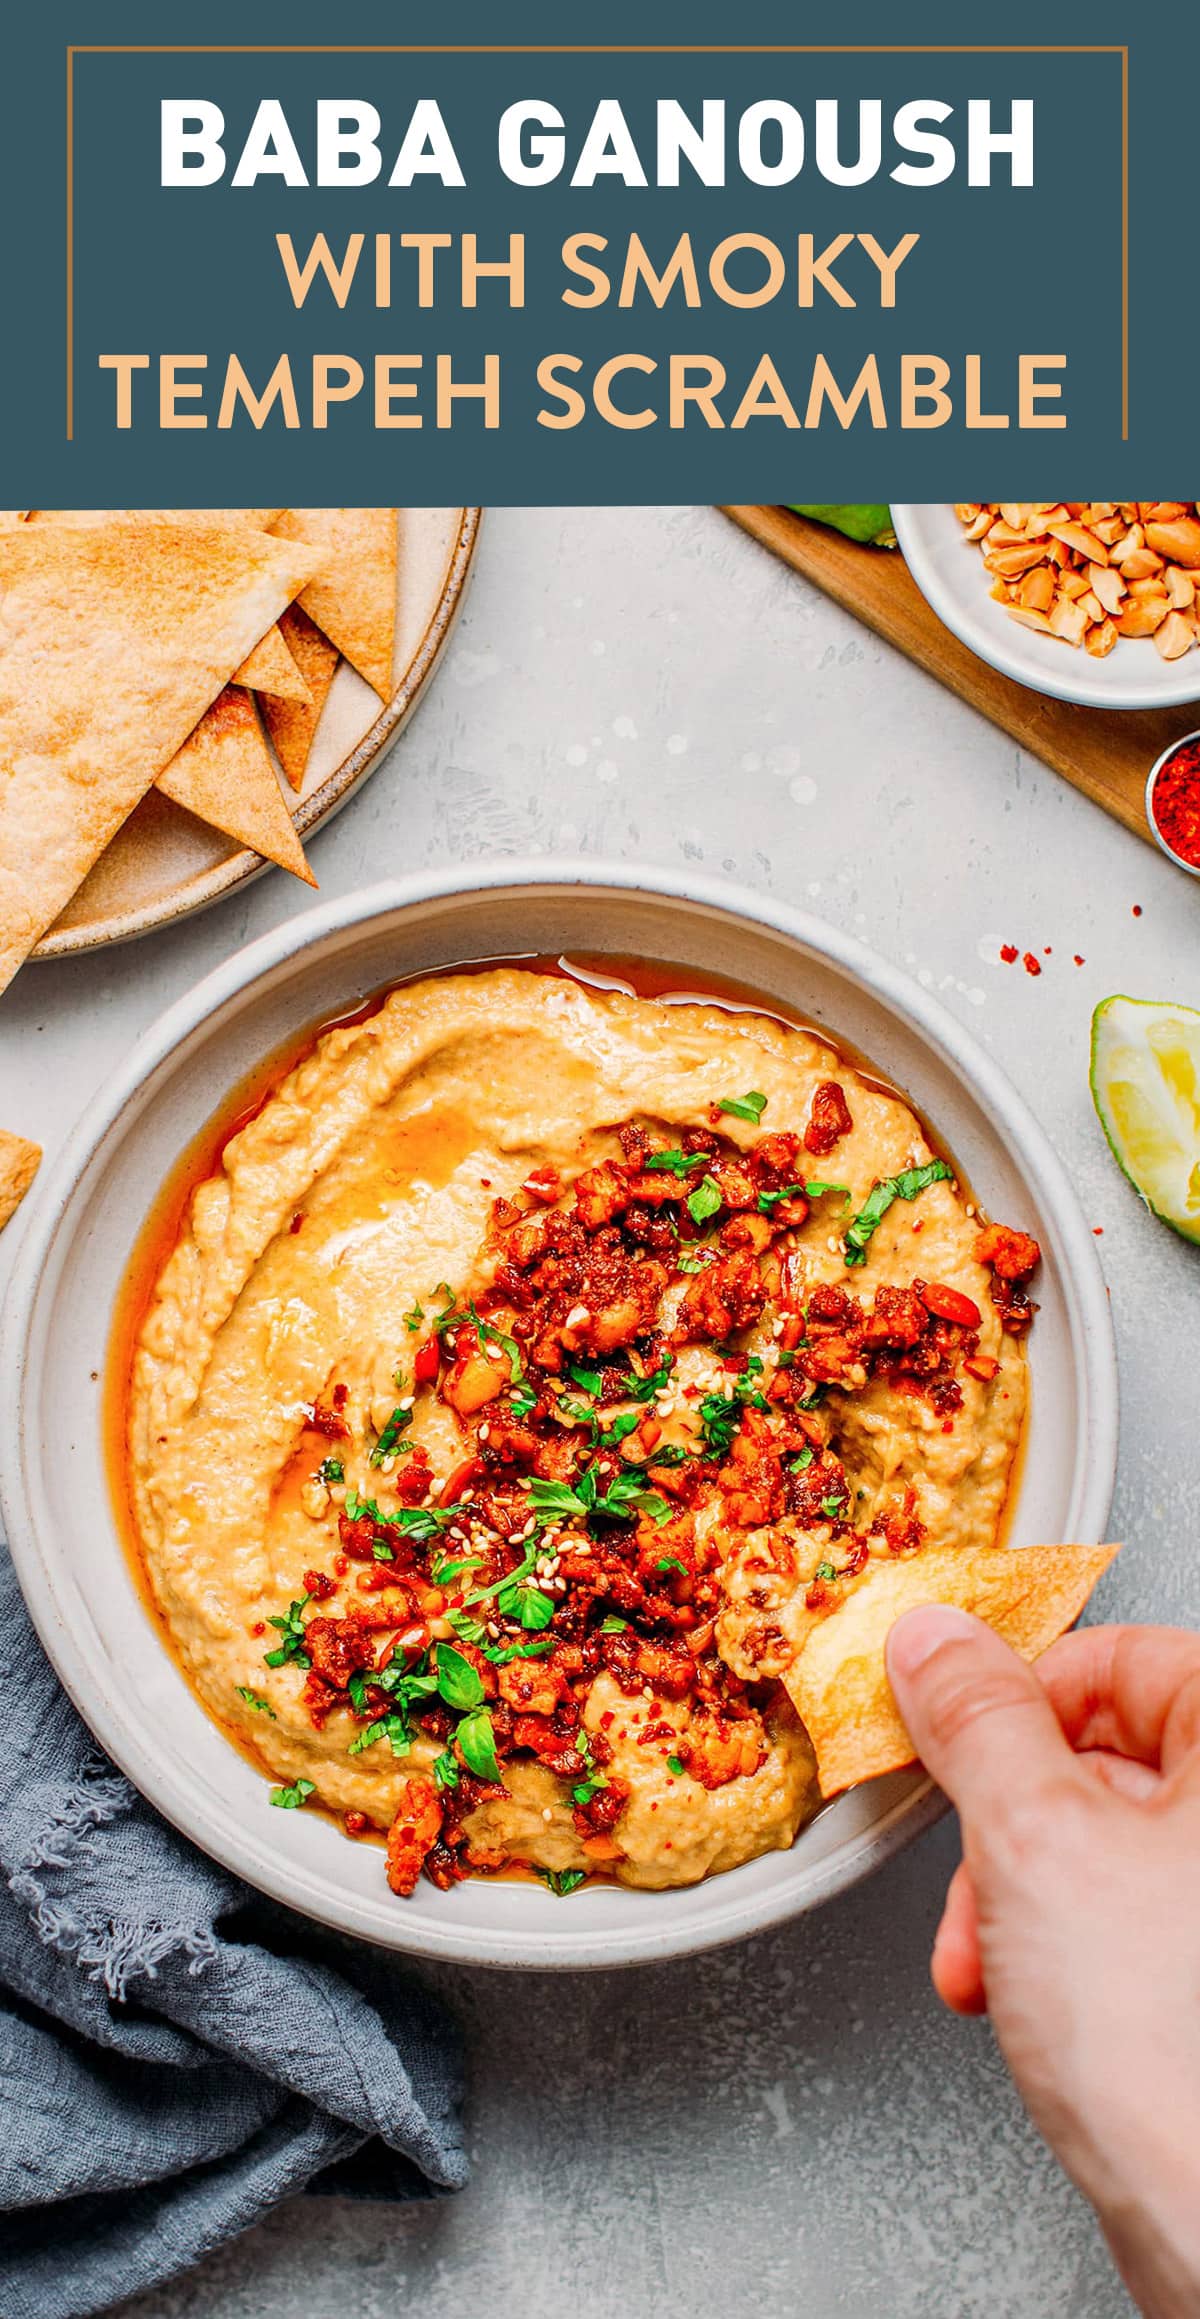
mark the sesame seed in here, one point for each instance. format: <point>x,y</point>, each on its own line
<point>547,1814</point>
<point>777,1327</point>
<point>409,1401</point>
<point>386,1464</point>
<point>577,1316</point>
<point>485,1432</point>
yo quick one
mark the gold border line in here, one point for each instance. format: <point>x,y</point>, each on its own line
<point>614,48</point>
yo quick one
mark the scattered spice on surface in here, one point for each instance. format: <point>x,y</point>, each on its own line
<point>1080,961</point>
<point>1009,953</point>
<point>1031,964</point>
<point>1137,909</point>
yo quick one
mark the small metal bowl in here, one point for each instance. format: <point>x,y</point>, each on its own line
<point>1159,765</point>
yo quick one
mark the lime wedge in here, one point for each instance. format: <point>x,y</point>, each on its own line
<point>1145,1079</point>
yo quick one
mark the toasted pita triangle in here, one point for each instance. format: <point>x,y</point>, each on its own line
<point>271,669</point>
<point>198,518</point>
<point>290,724</point>
<point>839,1685</point>
<point>113,642</point>
<point>353,597</point>
<point>224,774</point>
<point>19,1164</point>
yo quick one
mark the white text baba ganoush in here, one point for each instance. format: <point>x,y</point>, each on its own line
<point>538,1368</point>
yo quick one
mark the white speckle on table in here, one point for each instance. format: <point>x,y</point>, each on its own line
<point>802,788</point>
<point>624,728</point>
<point>677,744</point>
<point>575,753</point>
<point>606,770</point>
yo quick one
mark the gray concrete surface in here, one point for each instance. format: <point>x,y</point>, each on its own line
<point>792,2124</point>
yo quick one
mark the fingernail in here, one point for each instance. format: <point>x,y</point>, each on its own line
<point>920,1633</point>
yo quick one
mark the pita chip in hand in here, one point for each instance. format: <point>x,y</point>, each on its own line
<point>224,774</point>
<point>19,1164</point>
<point>353,596</point>
<point>290,723</point>
<point>112,645</point>
<point>839,1685</point>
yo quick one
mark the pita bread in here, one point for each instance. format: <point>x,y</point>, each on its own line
<point>19,1164</point>
<point>224,774</point>
<point>113,643</point>
<point>290,724</point>
<point>199,518</point>
<point>839,1685</point>
<point>270,668</point>
<point>353,597</point>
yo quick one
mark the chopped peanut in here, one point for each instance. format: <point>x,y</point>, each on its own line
<point>1092,572</point>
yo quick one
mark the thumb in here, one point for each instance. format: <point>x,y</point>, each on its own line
<point>977,1715</point>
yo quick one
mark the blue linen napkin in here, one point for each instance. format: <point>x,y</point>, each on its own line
<point>175,2054</point>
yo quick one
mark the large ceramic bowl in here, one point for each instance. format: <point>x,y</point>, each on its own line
<point>950,573</point>
<point>82,1224</point>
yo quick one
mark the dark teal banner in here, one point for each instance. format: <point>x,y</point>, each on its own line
<point>554,259</point>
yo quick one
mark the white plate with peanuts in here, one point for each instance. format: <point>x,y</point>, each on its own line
<point>1094,601</point>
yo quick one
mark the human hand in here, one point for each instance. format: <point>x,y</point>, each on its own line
<point>1074,1919</point>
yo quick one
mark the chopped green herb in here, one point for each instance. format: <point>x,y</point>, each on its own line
<point>695,1260</point>
<point>502,1656</point>
<point>816,1190</point>
<point>833,1508</point>
<point>445,1770</point>
<point>625,1496</point>
<point>751,1106</point>
<point>589,1381</point>
<point>459,1318</point>
<point>620,1429</point>
<point>810,1191</point>
<point>393,1726</point>
<point>561,1880</point>
<point>457,1680</point>
<point>468,1630</point>
<point>704,1201</point>
<point>674,1765</point>
<point>331,1469</point>
<point>675,1163</point>
<point>382,1551</point>
<point>613,1625</point>
<point>414,1317</point>
<point>389,1440</point>
<point>357,1687</point>
<point>290,1799</point>
<point>477,1744</point>
<point>291,1651</point>
<point>721,1414</point>
<point>825,1570</point>
<point>802,1460</point>
<point>443,1569</point>
<point>522,1401</point>
<point>669,1562</point>
<point>418,1522</point>
<point>255,1699</point>
<point>908,1185</point>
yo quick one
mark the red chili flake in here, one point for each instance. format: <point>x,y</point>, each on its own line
<point>355,1823</point>
<point>259,1627</point>
<point>1031,964</point>
<point>1080,961</point>
<point>486,1181</point>
<point>1009,953</point>
<point>295,1224</point>
<point>1048,952</point>
<point>1098,1229</point>
<point>1137,909</point>
<point>947,1425</point>
<point>919,1226</point>
<point>1176,803</point>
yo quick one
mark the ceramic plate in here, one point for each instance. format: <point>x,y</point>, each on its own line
<point>83,1218</point>
<point>165,864</point>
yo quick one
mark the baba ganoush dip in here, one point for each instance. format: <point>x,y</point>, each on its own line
<point>527,1376</point>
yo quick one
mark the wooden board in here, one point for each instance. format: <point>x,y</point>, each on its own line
<point>1105,752</point>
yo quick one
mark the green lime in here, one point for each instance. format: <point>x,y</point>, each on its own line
<point>1145,1080</point>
